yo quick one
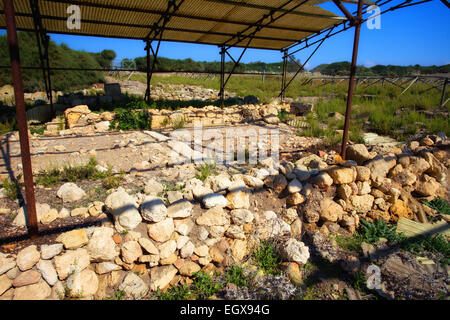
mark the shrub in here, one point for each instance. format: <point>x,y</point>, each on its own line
<point>267,258</point>
<point>204,286</point>
<point>175,293</point>
<point>372,232</point>
<point>349,243</point>
<point>439,204</point>
<point>111,182</point>
<point>283,115</point>
<point>136,104</point>
<point>433,243</point>
<point>205,170</point>
<point>88,171</point>
<point>129,120</point>
<point>178,123</point>
<point>12,187</point>
<point>235,275</point>
<point>39,131</point>
<point>8,126</point>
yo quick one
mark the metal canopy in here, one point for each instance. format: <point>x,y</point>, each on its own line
<point>266,24</point>
<point>280,23</point>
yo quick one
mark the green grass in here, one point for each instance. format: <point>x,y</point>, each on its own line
<point>349,243</point>
<point>204,286</point>
<point>371,232</point>
<point>283,115</point>
<point>39,130</point>
<point>170,186</point>
<point>359,281</point>
<point>111,182</point>
<point>235,274</point>
<point>205,170</point>
<point>310,293</point>
<point>439,204</point>
<point>435,244</point>
<point>178,123</point>
<point>267,258</point>
<point>8,126</point>
<point>175,293</point>
<point>118,295</point>
<point>125,119</point>
<point>12,187</point>
<point>70,173</point>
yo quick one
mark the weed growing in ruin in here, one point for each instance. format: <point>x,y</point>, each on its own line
<point>310,293</point>
<point>117,296</point>
<point>359,281</point>
<point>178,123</point>
<point>204,286</point>
<point>205,170</point>
<point>165,122</point>
<point>38,130</point>
<point>88,171</point>
<point>175,293</point>
<point>349,243</point>
<point>371,232</point>
<point>283,115</point>
<point>12,187</point>
<point>439,204</point>
<point>267,258</point>
<point>128,120</point>
<point>8,125</point>
<point>235,275</point>
<point>111,182</point>
<point>436,244</point>
<point>171,187</point>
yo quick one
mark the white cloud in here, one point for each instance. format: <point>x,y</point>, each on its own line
<point>369,64</point>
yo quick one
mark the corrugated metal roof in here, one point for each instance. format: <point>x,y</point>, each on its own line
<point>196,21</point>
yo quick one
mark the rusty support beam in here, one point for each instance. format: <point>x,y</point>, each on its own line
<point>344,10</point>
<point>259,25</point>
<point>351,81</point>
<point>303,65</point>
<point>147,70</point>
<point>222,75</point>
<point>283,76</point>
<point>444,87</point>
<point>157,31</point>
<point>16,72</point>
<point>42,37</point>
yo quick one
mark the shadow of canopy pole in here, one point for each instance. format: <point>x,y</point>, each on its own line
<point>16,72</point>
<point>356,21</point>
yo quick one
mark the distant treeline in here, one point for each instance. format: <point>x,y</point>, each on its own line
<point>60,56</point>
<point>166,64</point>
<point>63,56</point>
<point>343,69</point>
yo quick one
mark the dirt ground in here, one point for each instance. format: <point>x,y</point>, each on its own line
<point>121,150</point>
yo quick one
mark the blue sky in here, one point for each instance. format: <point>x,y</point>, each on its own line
<point>415,35</point>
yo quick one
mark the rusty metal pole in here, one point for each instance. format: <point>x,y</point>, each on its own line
<point>283,76</point>
<point>222,76</point>
<point>351,83</point>
<point>444,87</point>
<point>147,91</point>
<point>16,72</point>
